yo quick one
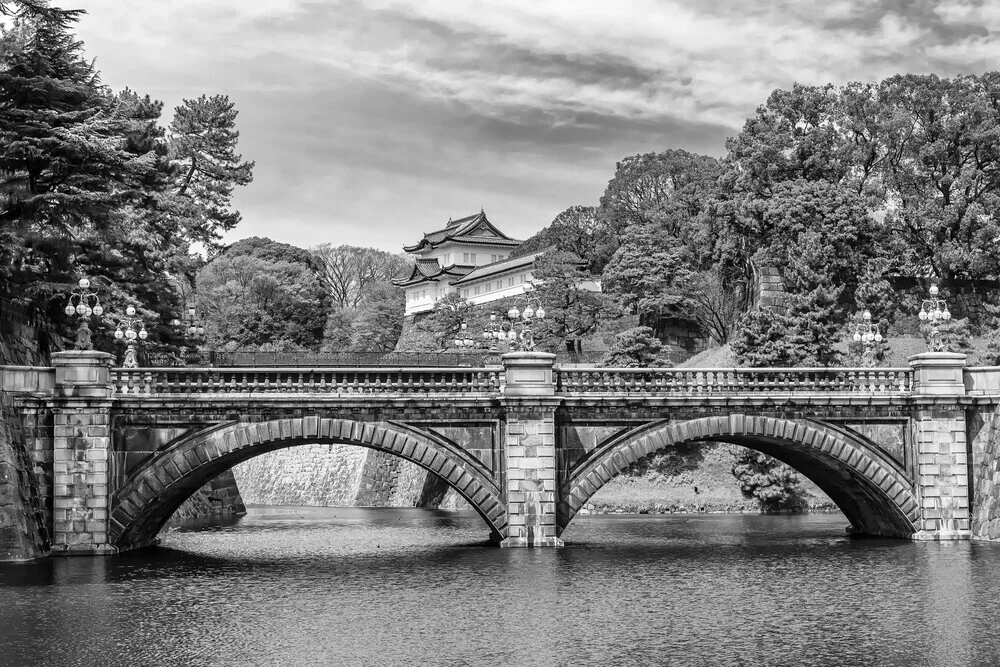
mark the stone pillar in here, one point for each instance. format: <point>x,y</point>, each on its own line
<point>529,451</point>
<point>81,447</point>
<point>942,450</point>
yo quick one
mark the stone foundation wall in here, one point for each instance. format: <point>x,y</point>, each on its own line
<point>23,533</point>
<point>986,496</point>
<point>340,476</point>
<point>770,289</point>
<point>220,497</point>
<point>25,345</point>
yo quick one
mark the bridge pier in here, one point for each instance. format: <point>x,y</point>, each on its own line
<point>529,405</point>
<point>941,468</point>
<point>81,444</point>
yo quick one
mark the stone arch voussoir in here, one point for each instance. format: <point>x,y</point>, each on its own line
<point>147,499</point>
<point>882,481</point>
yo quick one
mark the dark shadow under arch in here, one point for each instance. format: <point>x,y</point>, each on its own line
<point>871,489</point>
<point>145,501</point>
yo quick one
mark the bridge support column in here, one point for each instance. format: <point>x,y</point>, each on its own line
<point>81,447</point>
<point>530,450</point>
<point>942,450</point>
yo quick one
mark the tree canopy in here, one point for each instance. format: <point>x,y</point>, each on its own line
<point>90,182</point>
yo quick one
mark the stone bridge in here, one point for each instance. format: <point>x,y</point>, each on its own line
<point>527,443</point>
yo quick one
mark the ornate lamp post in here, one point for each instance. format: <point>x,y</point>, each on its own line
<point>79,304</point>
<point>867,333</point>
<point>194,327</point>
<point>127,331</point>
<point>462,340</point>
<point>516,328</point>
<point>934,311</point>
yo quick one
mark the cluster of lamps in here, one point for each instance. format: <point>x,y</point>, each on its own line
<point>79,303</point>
<point>516,328</point>
<point>934,311</point>
<point>130,329</point>
<point>867,334</point>
<point>194,327</point>
<point>463,340</point>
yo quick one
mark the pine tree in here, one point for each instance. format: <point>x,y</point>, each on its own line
<point>203,140</point>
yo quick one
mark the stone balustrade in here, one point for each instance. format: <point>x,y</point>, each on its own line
<point>733,380</point>
<point>149,381</point>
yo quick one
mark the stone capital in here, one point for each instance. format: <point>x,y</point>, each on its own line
<point>82,373</point>
<point>938,374</point>
<point>528,374</point>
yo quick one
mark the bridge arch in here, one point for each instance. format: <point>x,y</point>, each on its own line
<point>872,490</point>
<point>144,502</point>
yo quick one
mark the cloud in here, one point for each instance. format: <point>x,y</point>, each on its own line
<point>372,119</point>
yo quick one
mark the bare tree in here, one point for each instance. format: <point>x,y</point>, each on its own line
<point>351,272</point>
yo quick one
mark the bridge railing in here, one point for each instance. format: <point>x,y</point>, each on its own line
<point>733,380</point>
<point>342,381</point>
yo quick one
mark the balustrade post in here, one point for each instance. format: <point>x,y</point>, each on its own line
<point>529,450</point>
<point>81,445</point>
<point>942,452</point>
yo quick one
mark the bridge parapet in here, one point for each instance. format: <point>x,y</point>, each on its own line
<point>686,381</point>
<point>327,381</point>
<point>27,380</point>
<point>982,380</point>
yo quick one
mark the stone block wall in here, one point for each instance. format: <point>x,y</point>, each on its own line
<point>25,345</point>
<point>23,532</point>
<point>340,476</point>
<point>329,476</point>
<point>986,498</point>
<point>313,475</point>
<point>219,497</point>
<point>81,444</point>
<point>943,471</point>
<point>771,289</point>
<point>531,477</point>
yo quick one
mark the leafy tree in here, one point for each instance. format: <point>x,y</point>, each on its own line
<point>85,178</point>
<point>773,484</point>
<point>262,293</point>
<point>634,347</point>
<point>380,319</point>
<point>645,184</point>
<point>647,270</point>
<point>437,330</point>
<point>337,332</point>
<point>920,151</point>
<point>578,230</point>
<point>572,310</point>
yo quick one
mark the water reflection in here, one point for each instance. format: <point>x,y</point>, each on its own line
<point>329,586</point>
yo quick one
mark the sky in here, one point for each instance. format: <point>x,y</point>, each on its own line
<point>373,121</point>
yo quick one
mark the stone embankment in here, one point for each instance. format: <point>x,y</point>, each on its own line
<point>220,497</point>
<point>23,535</point>
<point>986,511</point>
<point>340,476</point>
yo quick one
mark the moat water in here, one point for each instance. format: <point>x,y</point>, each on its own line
<point>331,586</point>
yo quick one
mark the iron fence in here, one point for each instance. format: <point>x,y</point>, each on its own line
<point>227,359</point>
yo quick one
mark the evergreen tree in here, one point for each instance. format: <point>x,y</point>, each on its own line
<point>203,140</point>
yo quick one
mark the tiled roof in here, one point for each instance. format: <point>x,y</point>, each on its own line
<point>428,270</point>
<point>502,266</point>
<point>461,230</point>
